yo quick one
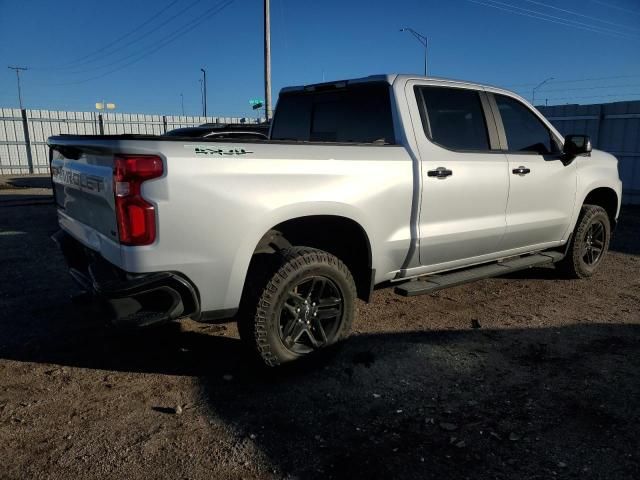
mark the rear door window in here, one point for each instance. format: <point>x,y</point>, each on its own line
<point>453,117</point>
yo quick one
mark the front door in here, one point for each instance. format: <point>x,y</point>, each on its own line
<point>542,185</point>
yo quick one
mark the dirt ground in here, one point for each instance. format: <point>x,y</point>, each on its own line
<point>526,376</point>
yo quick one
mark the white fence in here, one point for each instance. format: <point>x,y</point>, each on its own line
<point>24,133</point>
<point>614,127</point>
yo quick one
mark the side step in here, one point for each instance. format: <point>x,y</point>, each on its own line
<point>433,283</point>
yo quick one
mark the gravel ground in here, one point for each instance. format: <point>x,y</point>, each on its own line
<point>525,376</point>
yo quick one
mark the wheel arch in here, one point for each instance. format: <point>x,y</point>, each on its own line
<point>341,236</point>
<point>606,198</point>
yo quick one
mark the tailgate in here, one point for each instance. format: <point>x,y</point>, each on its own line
<point>83,186</point>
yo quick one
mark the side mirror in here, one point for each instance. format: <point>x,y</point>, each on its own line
<point>575,145</point>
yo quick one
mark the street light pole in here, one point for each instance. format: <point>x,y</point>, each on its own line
<point>102,117</point>
<point>423,41</point>
<point>267,61</point>
<point>533,93</point>
<point>182,103</point>
<point>204,91</point>
<point>18,70</point>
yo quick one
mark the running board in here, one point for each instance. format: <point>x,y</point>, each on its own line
<point>433,283</point>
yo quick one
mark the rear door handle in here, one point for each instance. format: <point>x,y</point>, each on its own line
<point>521,170</point>
<point>440,172</point>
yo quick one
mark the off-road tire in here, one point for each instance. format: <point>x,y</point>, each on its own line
<point>268,282</point>
<point>574,265</point>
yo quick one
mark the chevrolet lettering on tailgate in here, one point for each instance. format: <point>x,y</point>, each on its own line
<point>85,181</point>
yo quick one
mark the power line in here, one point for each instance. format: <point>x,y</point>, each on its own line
<point>171,38</point>
<point>595,96</point>
<point>582,15</point>
<point>138,39</point>
<point>574,23</point>
<point>552,19</point>
<point>113,42</point>
<point>593,79</point>
<point>586,88</point>
<point>611,5</point>
<point>131,55</point>
<point>127,44</point>
<point>185,28</point>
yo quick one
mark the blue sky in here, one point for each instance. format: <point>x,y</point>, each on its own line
<point>66,44</point>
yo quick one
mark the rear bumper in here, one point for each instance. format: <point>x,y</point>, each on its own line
<point>131,299</point>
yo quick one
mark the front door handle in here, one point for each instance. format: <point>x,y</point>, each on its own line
<point>440,172</point>
<point>521,170</point>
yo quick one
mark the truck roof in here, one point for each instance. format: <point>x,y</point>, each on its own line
<point>389,78</point>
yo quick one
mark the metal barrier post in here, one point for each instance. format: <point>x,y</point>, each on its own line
<point>27,140</point>
<point>601,121</point>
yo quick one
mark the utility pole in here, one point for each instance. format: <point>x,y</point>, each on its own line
<point>423,41</point>
<point>267,61</point>
<point>18,70</point>
<point>204,90</point>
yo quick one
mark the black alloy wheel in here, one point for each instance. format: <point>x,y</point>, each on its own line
<point>311,314</point>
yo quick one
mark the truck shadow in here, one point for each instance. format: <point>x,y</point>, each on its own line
<point>413,404</point>
<point>29,181</point>
<point>490,404</point>
<point>9,200</point>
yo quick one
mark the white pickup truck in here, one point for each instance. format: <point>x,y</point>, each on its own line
<point>398,180</point>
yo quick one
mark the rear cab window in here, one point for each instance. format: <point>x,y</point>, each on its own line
<point>453,117</point>
<point>359,113</point>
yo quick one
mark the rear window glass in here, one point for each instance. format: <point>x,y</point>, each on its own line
<point>356,114</point>
<point>454,118</point>
<point>187,132</point>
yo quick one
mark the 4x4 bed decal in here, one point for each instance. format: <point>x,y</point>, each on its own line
<point>207,150</point>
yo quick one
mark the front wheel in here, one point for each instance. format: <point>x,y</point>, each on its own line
<point>589,243</point>
<point>305,302</point>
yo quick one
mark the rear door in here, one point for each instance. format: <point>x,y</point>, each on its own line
<point>464,175</point>
<point>542,186</point>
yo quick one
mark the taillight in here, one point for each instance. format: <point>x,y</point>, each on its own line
<point>136,217</point>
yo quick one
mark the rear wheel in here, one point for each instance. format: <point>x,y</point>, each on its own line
<point>299,301</point>
<point>589,243</point>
